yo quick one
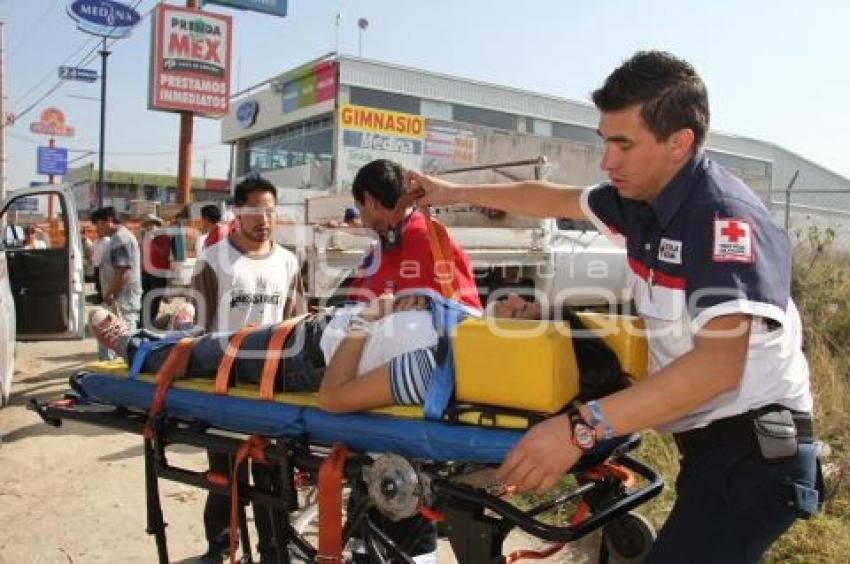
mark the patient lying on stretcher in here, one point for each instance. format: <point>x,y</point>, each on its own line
<point>357,357</point>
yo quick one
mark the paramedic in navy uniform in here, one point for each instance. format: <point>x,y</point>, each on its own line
<point>710,276</point>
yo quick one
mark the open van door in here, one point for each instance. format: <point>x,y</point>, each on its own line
<point>41,272</point>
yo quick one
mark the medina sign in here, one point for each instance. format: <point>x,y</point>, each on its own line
<point>104,18</point>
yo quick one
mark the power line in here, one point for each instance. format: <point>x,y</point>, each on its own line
<point>84,61</point>
<point>29,33</point>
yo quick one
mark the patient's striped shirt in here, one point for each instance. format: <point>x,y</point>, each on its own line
<point>410,376</point>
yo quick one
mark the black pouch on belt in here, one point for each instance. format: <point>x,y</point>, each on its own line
<point>776,435</point>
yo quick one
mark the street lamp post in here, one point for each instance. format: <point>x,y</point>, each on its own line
<point>101,190</point>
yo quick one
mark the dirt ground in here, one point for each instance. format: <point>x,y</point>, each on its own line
<point>76,494</point>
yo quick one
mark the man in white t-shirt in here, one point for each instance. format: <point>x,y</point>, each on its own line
<point>245,279</point>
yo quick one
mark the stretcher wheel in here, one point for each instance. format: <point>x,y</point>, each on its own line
<point>629,538</point>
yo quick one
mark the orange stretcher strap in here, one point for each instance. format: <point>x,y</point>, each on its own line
<point>174,367</point>
<point>222,376</point>
<point>274,355</point>
<point>253,448</point>
<point>330,505</point>
<point>441,251</point>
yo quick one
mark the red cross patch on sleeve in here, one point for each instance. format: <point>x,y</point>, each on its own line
<point>733,241</point>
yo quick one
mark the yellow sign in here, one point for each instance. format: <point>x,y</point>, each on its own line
<point>373,120</point>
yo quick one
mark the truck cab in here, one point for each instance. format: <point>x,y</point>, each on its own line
<point>42,293</point>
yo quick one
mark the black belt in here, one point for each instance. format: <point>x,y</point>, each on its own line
<point>737,430</point>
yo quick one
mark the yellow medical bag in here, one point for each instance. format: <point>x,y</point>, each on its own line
<point>531,365</point>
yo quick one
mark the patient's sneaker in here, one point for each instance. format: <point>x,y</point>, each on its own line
<point>183,318</point>
<point>108,328</point>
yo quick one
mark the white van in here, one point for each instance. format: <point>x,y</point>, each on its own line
<point>41,272</point>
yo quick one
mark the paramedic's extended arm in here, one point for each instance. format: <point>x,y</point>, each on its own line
<point>715,365</point>
<point>532,197</point>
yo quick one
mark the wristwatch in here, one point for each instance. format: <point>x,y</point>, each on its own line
<point>583,433</point>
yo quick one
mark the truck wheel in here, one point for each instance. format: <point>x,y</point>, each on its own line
<point>629,538</point>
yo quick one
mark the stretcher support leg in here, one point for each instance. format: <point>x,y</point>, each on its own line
<point>156,525</point>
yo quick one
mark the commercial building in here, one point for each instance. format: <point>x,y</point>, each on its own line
<point>138,193</point>
<point>311,128</point>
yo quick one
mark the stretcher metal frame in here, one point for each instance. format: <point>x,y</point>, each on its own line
<point>476,522</point>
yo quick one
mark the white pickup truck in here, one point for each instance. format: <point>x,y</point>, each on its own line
<point>41,284</point>
<point>560,261</point>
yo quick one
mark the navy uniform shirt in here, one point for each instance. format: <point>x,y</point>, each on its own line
<point>704,247</point>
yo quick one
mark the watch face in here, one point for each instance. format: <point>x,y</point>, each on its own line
<point>584,436</point>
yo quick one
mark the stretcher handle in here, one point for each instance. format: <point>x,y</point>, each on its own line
<point>222,375</point>
<point>274,355</point>
<point>453,492</point>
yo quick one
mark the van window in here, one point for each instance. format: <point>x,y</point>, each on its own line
<point>34,222</point>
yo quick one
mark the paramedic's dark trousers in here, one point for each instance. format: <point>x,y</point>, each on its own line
<point>731,505</point>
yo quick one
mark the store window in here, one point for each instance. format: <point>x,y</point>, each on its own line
<point>384,100</point>
<point>576,133</point>
<point>487,118</point>
<point>295,145</point>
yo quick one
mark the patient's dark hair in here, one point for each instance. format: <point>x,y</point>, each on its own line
<point>670,91</point>
<point>383,179</point>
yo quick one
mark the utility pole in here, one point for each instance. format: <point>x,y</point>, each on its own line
<point>101,186</point>
<point>184,158</point>
<point>4,123</point>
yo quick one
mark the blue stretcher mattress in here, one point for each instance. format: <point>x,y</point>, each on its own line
<point>365,432</point>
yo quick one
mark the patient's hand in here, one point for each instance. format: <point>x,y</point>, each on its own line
<point>410,303</point>
<point>543,455</point>
<point>378,308</point>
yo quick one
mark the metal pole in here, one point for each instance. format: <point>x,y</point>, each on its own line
<point>184,154</point>
<point>51,143</point>
<point>788,199</point>
<point>101,190</point>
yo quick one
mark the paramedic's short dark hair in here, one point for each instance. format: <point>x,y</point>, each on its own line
<point>252,184</point>
<point>383,179</point>
<point>106,213</point>
<point>211,213</point>
<point>671,92</point>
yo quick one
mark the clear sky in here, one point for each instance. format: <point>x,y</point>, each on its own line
<point>776,70</point>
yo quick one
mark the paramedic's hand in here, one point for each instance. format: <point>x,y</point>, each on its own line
<point>430,190</point>
<point>541,457</point>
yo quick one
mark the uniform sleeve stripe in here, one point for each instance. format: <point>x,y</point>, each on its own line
<point>604,228</point>
<point>759,309</point>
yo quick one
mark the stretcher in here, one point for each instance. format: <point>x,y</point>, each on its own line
<point>419,465</point>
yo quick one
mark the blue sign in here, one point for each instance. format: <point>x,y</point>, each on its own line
<point>246,113</point>
<point>273,7</point>
<point>76,73</point>
<point>52,160</point>
<point>103,17</point>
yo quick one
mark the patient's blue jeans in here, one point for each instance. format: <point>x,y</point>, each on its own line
<point>300,369</point>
